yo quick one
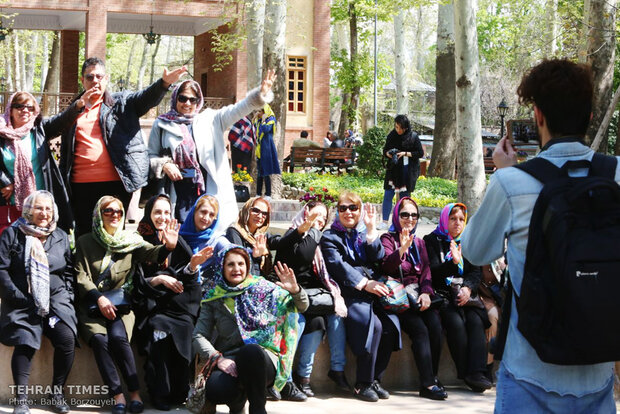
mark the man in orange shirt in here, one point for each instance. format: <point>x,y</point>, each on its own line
<point>104,153</point>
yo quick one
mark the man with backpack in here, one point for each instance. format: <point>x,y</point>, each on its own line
<point>558,217</point>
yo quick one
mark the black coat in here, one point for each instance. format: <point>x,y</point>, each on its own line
<point>19,322</point>
<point>409,142</point>
<point>273,242</point>
<point>45,129</point>
<point>297,251</point>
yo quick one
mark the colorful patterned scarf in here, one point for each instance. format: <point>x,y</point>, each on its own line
<point>35,257</point>
<point>441,231</point>
<point>242,136</point>
<point>266,315</point>
<point>413,254</point>
<point>318,262</point>
<point>23,174</point>
<point>172,115</point>
<point>270,118</point>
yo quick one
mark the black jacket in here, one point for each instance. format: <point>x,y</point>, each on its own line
<point>44,130</point>
<point>119,119</point>
<point>19,323</point>
<point>409,142</point>
<point>297,251</point>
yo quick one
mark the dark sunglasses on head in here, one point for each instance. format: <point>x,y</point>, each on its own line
<point>343,207</point>
<point>405,215</point>
<point>191,99</point>
<point>91,76</point>
<point>112,212</point>
<point>259,211</point>
<point>23,106</point>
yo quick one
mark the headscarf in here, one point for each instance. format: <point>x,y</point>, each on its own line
<point>265,313</point>
<point>184,155</point>
<point>23,174</point>
<point>197,239</point>
<point>441,231</point>
<point>318,263</point>
<point>353,241</point>
<point>413,253</point>
<point>269,119</point>
<point>35,257</point>
<point>146,227</point>
<point>242,227</point>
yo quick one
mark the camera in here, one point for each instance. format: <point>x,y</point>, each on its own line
<point>393,155</point>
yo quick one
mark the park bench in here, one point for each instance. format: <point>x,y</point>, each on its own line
<point>303,157</point>
<point>489,165</point>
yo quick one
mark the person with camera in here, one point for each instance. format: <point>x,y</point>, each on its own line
<point>403,151</point>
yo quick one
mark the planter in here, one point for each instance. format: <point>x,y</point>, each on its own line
<point>242,192</point>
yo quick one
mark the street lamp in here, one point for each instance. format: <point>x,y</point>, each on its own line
<point>121,84</point>
<point>502,108</point>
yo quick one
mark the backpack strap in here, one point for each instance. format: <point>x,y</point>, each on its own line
<point>604,165</point>
<point>541,169</point>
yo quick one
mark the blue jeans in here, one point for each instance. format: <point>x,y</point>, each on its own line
<point>309,343</point>
<point>388,196</point>
<point>515,396</point>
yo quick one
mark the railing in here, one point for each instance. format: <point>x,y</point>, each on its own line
<point>54,103</point>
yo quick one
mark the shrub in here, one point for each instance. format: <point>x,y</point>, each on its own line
<point>370,153</point>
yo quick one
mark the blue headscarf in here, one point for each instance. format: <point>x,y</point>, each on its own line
<point>198,239</point>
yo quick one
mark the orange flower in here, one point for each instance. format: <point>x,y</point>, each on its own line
<point>325,189</point>
<point>311,189</point>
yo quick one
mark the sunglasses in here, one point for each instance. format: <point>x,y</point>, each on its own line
<point>112,212</point>
<point>91,76</point>
<point>259,211</point>
<point>191,99</point>
<point>22,107</point>
<point>343,207</point>
<point>404,215</point>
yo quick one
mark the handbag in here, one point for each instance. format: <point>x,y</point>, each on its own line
<point>321,301</point>
<point>397,301</point>
<point>455,284</point>
<point>8,215</point>
<point>196,395</point>
<point>119,298</point>
<point>242,193</point>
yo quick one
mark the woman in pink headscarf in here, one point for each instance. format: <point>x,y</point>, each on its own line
<point>26,164</point>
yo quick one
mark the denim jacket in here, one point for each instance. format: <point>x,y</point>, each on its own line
<point>505,214</point>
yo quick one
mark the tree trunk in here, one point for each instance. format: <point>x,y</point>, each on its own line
<point>602,130</point>
<point>601,56</point>
<point>443,158</point>
<point>30,60</point>
<point>153,56</point>
<point>128,71</point>
<point>45,60</point>
<point>470,176</point>
<point>17,69</point>
<point>400,63</point>
<point>52,80</point>
<point>582,52</point>
<point>274,57</point>
<point>255,13</point>
<point>419,39</point>
<point>344,114</point>
<point>551,31</point>
<point>339,43</point>
<point>145,52</point>
<point>354,98</point>
<point>617,148</point>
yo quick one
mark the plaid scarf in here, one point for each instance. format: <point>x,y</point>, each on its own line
<point>242,136</point>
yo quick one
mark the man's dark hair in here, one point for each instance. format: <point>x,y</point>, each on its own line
<point>92,61</point>
<point>303,134</point>
<point>403,121</point>
<point>562,90</point>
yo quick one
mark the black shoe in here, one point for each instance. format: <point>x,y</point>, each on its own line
<point>435,393</point>
<point>136,407</point>
<point>303,383</point>
<point>21,407</point>
<point>478,382</point>
<point>340,379</point>
<point>290,392</point>
<point>119,408</point>
<point>381,392</point>
<point>439,384</point>
<point>59,404</point>
<point>489,373</point>
<point>273,394</point>
<point>160,404</point>
<point>365,392</point>
<point>237,408</point>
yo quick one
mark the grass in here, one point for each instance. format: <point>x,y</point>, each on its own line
<point>429,192</point>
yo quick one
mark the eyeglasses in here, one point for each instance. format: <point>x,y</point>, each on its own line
<point>23,107</point>
<point>91,76</point>
<point>39,209</point>
<point>112,212</point>
<point>343,207</point>
<point>191,99</point>
<point>404,215</point>
<point>259,211</point>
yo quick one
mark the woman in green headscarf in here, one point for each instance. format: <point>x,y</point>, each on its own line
<point>105,261</point>
<point>248,327</point>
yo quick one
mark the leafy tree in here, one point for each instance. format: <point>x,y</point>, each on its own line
<point>370,153</point>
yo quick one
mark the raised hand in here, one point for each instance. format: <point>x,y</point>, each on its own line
<point>260,249</point>
<point>170,77</point>
<point>456,252</point>
<point>287,278</point>
<point>369,217</point>
<point>406,240</point>
<point>170,234</point>
<point>200,257</point>
<point>267,83</point>
<point>309,222</point>
<point>504,154</point>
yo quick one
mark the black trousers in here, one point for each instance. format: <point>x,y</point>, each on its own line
<point>372,365</point>
<point>424,329</point>
<point>239,157</point>
<point>114,348</point>
<point>84,197</point>
<point>166,372</point>
<point>259,182</point>
<point>466,339</point>
<point>62,339</point>
<point>255,373</point>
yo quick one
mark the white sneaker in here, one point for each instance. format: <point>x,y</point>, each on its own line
<point>383,225</point>
<point>268,198</point>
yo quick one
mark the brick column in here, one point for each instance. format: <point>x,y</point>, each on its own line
<point>242,73</point>
<point>320,70</point>
<point>224,83</point>
<point>96,29</point>
<point>69,65</point>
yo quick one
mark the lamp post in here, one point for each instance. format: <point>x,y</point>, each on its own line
<point>502,108</point>
<point>121,84</point>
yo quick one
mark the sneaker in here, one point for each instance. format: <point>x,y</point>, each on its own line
<point>365,392</point>
<point>21,407</point>
<point>478,382</point>
<point>59,404</point>
<point>267,198</point>
<point>340,379</point>
<point>381,392</point>
<point>290,392</point>
<point>303,383</point>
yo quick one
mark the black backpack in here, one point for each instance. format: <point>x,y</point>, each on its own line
<point>569,307</point>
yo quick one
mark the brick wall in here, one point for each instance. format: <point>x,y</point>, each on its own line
<point>223,83</point>
<point>321,53</point>
<point>69,46</point>
<point>96,29</point>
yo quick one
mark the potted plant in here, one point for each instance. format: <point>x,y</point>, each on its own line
<point>241,181</point>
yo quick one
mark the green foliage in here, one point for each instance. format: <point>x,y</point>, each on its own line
<point>430,192</point>
<point>371,152</point>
